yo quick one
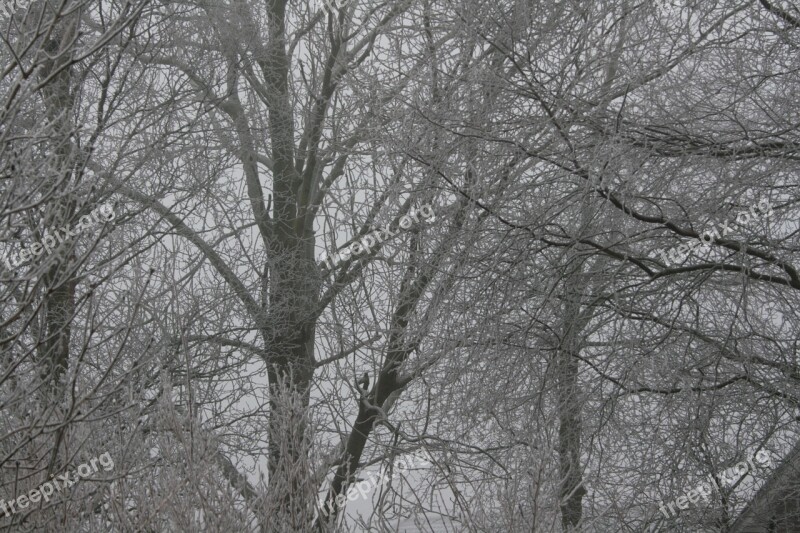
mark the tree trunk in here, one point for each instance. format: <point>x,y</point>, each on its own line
<point>576,316</point>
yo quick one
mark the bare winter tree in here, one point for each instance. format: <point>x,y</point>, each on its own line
<point>345,232</point>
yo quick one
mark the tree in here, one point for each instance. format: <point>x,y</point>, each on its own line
<point>561,372</point>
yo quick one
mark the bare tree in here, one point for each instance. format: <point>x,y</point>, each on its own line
<point>548,335</point>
